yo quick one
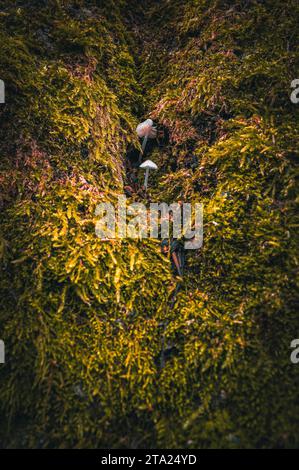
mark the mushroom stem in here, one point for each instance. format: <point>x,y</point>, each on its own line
<point>144,143</point>
<point>146,178</point>
<point>143,147</point>
<point>2,92</point>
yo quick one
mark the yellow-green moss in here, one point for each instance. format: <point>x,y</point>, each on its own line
<point>84,321</point>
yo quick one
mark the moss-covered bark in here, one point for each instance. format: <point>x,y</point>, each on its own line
<point>84,321</point>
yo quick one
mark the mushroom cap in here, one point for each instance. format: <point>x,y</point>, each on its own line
<point>148,164</point>
<point>146,128</point>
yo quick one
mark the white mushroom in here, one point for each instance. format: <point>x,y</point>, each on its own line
<point>148,165</point>
<point>146,130</point>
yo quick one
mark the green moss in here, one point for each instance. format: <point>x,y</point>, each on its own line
<point>83,320</point>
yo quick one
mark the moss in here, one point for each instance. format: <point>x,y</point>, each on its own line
<point>84,321</point>
<point>225,99</point>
